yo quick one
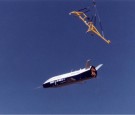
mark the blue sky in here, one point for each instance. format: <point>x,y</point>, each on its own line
<point>38,40</point>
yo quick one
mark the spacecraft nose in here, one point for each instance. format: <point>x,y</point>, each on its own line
<point>46,85</point>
